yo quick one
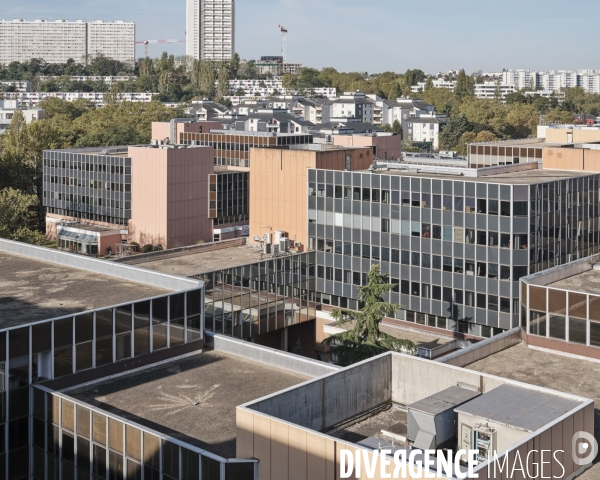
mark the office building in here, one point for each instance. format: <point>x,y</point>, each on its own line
<point>61,40</point>
<point>426,128</point>
<point>210,29</point>
<point>151,195</point>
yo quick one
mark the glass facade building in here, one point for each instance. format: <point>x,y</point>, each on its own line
<point>455,246</point>
<point>64,346</point>
<point>87,185</point>
<point>229,197</point>
<point>260,297</point>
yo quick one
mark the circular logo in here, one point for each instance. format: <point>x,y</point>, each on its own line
<point>585,448</point>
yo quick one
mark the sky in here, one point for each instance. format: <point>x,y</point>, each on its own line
<point>371,35</point>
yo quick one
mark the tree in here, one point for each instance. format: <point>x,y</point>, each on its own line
<point>365,339</point>
<point>397,127</point>
<point>15,210</point>
<point>428,84</point>
<point>454,130</point>
<point>464,85</point>
<point>223,81</point>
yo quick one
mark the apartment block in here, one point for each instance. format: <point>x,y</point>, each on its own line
<point>210,27</point>
<point>115,40</point>
<point>8,109</point>
<point>61,40</point>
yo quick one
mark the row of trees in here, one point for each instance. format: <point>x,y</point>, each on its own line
<point>67,124</point>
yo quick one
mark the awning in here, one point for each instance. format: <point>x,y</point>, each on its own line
<point>79,237</point>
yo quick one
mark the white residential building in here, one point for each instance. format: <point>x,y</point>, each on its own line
<point>210,32</point>
<point>115,40</point>
<point>18,85</point>
<point>437,83</point>
<point>488,90</point>
<point>8,108</point>
<point>107,80</point>
<point>60,40</point>
<point>427,128</point>
<point>520,78</point>
<point>34,98</point>
<point>264,88</point>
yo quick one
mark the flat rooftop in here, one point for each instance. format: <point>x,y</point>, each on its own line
<point>571,375</point>
<point>203,262</point>
<point>32,290</point>
<point>191,399</point>
<point>523,177</point>
<point>587,282</point>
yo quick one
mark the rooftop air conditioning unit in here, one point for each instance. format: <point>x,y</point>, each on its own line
<point>297,244</point>
<point>275,250</point>
<point>257,238</point>
<point>284,245</point>
<point>266,248</point>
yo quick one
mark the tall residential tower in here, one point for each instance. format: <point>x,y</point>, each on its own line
<point>210,29</point>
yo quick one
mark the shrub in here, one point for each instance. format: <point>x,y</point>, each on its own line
<point>147,248</point>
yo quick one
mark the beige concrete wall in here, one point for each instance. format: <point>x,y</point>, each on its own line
<point>560,135</point>
<point>170,196</point>
<point>388,146</point>
<point>563,158</point>
<point>161,131</point>
<point>279,186</point>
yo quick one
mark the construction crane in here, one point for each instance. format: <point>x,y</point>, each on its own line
<point>283,41</point>
<point>146,42</point>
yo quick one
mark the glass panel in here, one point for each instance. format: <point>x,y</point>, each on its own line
<point>115,435</point>
<point>115,471</point>
<point>83,353</point>
<point>194,315</point>
<point>83,456</point>
<point>159,322</point>
<point>99,428</point>
<point>190,465</point>
<point>594,308</point>
<point>151,450</point>
<point>68,415</point>
<point>83,421</point>
<point>141,327</point>
<point>211,469</point>
<point>84,328</point>
<point>134,470</point>
<point>177,311</point>
<point>238,471</point>
<point>557,327</point>
<point>41,337</point>
<point>577,330</point>
<point>537,300</point>
<point>133,439</point>
<point>63,333</point>
<point>170,459</point>
<point>577,305</point>
<point>595,334</point>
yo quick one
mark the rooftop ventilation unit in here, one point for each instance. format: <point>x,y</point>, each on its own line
<point>432,421</point>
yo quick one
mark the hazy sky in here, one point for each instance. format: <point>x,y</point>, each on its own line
<point>373,35</point>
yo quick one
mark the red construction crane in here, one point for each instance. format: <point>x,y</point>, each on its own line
<point>146,42</point>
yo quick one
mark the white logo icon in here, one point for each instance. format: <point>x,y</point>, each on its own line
<point>583,447</point>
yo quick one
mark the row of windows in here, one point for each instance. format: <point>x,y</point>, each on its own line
<point>420,200</point>
<point>93,184</point>
<point>92,216</point>
<point>425,260</point>
<point>87,166</point>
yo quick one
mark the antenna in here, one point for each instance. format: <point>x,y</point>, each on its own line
<point>283,42</point>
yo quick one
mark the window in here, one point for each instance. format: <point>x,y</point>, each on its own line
<point>493,270</point>
<point>458,265</point>
<point>447,295</point>
<point>385,196</point>
<point>459,204</point>
<point>426,230</point>
<point>385,254</point>
<point>338,191</point>
<point>505,209</point>
<point>415,229</point>
<point>415,288</point>
<point>481,237</point>
<point>375,253</point>
<point>356,249</point>
<point>405,257</point>
<point>395,198</point>
<point>493,303</point>
<point>459,235</point>
<point>437,202</point>
<point>356,278</point>
<point>447,264</point>
<point>469,267</point>
<point>356,195</point>
<point>436,292</point>
<point>493,207</point>
<point>504,240</point>
<point>520,241</point>
<point>329,191</point>
<point>347,277</point>
<point>481,205</point>
<point>469,299</point>
<point>425,260</point>
<point>338,275</point>
<point>375,195</point>
<point>437,232</point>
<point>385,225</point>
<point>338,247</point>
<point>504,305</point>
<point>347,249</point>
<point>406,199</point>
<point>366,251</point>
<point>519,272</point>
<point>481,269</point>
<point>504,272</point>
<point>469,205</point>
<point>415,259</point>
<point>458,297</point>
<point>469,236</point>
<point>404,287</point>
<point>519,209</point>
<point>395,284</point>
<point>493,239</point>
<point>437,262</point>
<point>557,327</point>
<point>425,290</point>
<point>447,233</point>
<point>447,202</point>
<point>481,300</point>
<point>347,193</point>
<point>395,255</point>
<point>426,200</point>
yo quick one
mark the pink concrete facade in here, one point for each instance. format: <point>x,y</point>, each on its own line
<point>170,195</point>
<point>388,146</point>
<point>161,131</point>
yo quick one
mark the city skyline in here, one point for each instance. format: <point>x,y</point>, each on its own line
<point>439,41</point>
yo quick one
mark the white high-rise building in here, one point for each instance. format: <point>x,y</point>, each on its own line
<point>210,32</point>
<point>58,41</point>
<point>114,40</point>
